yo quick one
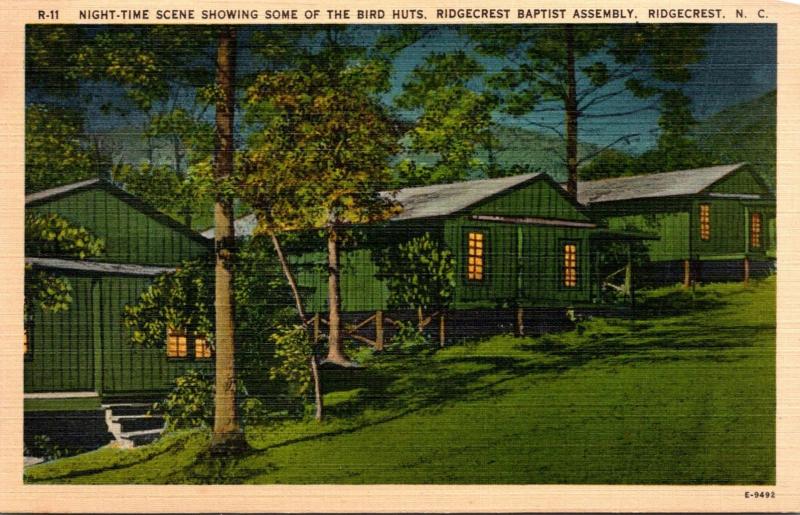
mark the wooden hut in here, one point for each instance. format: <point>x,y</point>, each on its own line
<point>715,223</point>
<point>520,244</point>
<point>85,350</point>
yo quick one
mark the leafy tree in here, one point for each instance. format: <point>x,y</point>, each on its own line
<point>454,121</point>
<point>419,273</point>
<point>578,69</point>
<point>56,149</point>
<point>318,157</point>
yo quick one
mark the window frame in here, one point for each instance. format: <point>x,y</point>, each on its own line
<point>563,264</point>
<point>177,333</point>
<point>191,338</point>
<point>468,232</point>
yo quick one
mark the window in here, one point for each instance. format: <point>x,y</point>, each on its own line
<point>176,344</point>
<point>202,349</point>
<point>570,265</point>
<point>705,222</point>
<point>475,261</point>
<point>183,345</point>
<point>26,343</point>
<point>755,230</point>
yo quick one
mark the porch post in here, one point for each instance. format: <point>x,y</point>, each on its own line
<point>687,273</point>
<point>379,330</point>
<point>441,328</point>
<point>746,270</point>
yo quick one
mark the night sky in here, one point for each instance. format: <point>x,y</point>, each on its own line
<point>740,65</point>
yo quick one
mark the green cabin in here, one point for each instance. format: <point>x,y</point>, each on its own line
<point>85,350</point>
<point>715,223</point>
<point>519,242</point>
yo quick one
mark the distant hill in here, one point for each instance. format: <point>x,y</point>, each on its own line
<point>743,132</point>
<point>523,147</point>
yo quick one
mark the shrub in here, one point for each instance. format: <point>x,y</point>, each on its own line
<point>409,338</point>
<point>293,350</point>
<point>190,403</point>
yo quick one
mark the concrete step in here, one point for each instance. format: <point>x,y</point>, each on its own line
<point>141,437</point>
<point>128,423</point>
<point>129,408</point>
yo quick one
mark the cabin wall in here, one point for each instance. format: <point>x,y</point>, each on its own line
<point>87,348</point>
<point>61,345</point>
<point>730,230</point>
<point>667,219</point>
<point>130,235</point>
<point>523,265</point>
<point>536,199</point>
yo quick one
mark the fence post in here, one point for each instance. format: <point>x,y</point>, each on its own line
<point>687,273</point>
<point>520,322</point>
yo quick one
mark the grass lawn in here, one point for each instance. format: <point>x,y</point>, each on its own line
<point>683,394</point>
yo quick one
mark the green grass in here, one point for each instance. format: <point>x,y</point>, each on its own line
<point>684,394</point>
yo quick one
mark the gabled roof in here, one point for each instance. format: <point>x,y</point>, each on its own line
<point>41,197</point>
<point>654,185</point>
<point>424,201</point>
<point>447,199</point>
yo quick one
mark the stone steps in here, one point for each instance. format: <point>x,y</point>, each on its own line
<point>132,424</point>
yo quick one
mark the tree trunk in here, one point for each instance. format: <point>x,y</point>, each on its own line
<point>227,432</point>
<point>335,344</point>
<point>298,302</point>
<point>571,114</point>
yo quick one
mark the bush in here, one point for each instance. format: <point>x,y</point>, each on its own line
<point>190,403</point>
<point>409,338</point>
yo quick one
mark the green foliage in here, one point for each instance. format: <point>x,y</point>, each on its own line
<point>419,273</point>
<point>53,236</point>
<point>293,350</point>
<point>56,149</point>
<point>50,235</point>
<point>46,291</point>
<point>180,300</point>
<point>454,121</point>
<point>320,147</point>
<point>190,404</point>
<point>409,338</point>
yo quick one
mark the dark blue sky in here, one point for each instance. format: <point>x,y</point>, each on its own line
<point>740,65</point>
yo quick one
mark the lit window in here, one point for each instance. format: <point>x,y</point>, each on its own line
<point>570,265</point>
<point>705,222</point>
<point>25,344</point>
<point>176,344</point>
<point>755,230</point>
<point>475,256</point>
<point>202,349</point>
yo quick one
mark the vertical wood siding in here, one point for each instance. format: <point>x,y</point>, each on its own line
<point>131,236</point>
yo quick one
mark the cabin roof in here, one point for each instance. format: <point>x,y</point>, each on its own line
<point>654,185</point>
<point>423,201</point>
<point>44,196</point>
<point>75,265</point>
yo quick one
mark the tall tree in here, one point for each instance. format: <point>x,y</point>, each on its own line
<point>580,69</point>
<point>227,433</point>
<point>318,157</point>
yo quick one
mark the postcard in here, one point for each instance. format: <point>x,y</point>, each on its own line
<point>346,256</point>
